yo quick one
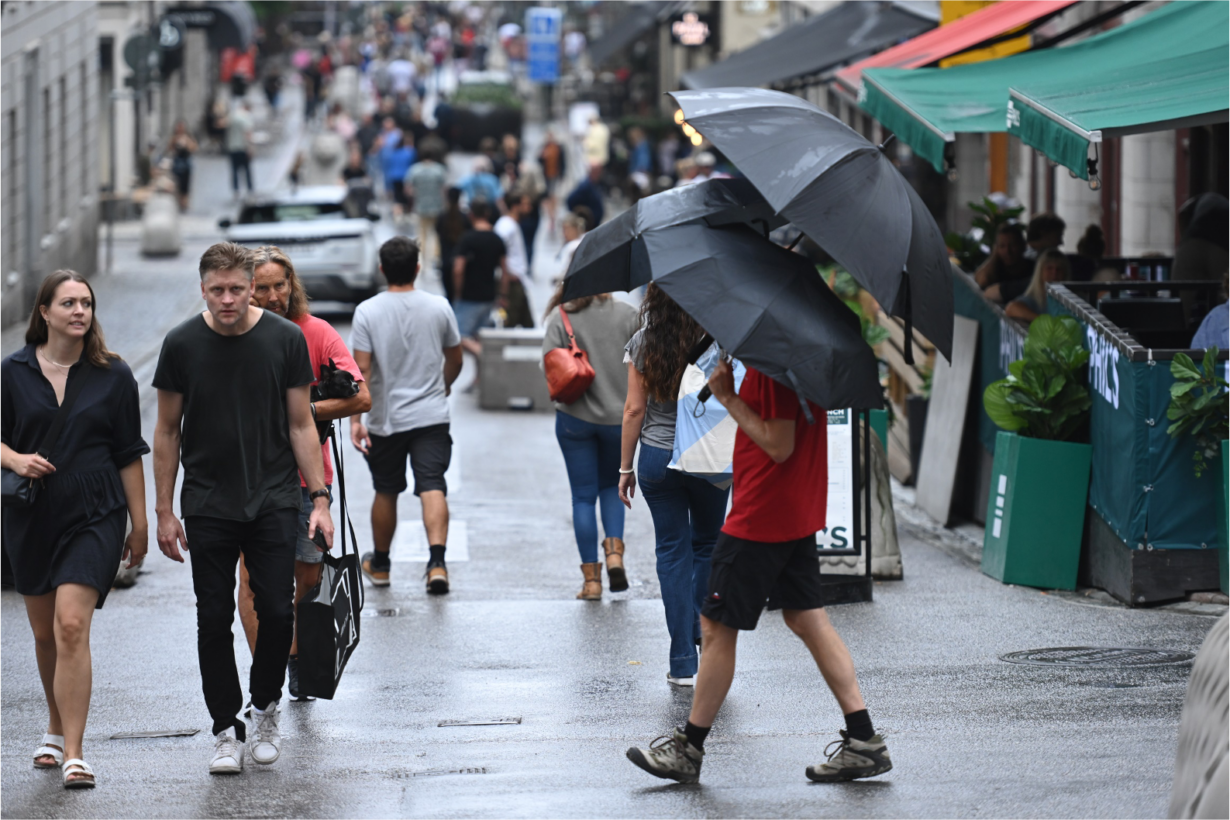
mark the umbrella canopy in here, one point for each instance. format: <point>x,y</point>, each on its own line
<point>840,190</point>
<point>603,261</point>
<point>766,306</point>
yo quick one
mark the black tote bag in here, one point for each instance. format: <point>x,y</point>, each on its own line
<point>329,615</point>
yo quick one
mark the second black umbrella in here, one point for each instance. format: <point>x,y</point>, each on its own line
<point>767,307</point>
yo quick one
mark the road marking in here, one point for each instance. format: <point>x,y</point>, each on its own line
<point>410,543</point>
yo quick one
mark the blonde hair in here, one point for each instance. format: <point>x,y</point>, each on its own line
<point>297,303</point>
<point>1037,285</point>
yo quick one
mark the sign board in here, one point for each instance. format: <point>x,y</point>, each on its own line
<point>543,27</point>
<point>690,29</point>
<point>952,10</point>
<point>839,534</point>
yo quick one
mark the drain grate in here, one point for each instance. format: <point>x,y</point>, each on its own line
<point>499,721</point>
<point>442,772</point>
<point>1097,656</point>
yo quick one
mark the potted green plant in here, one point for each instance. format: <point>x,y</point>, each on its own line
<point>972,248</point>
<point>1040,476</point>
<point>1198,408</point>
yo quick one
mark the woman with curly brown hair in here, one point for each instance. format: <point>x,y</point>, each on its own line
<point>687,511</point>
<point>67,544</point>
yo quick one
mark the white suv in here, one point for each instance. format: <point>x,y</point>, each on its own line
<point>326,231</point>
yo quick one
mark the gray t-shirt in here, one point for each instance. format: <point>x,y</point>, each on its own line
<point>601,330</point>
<point>239,123</point>
<point>658,429</point>
<point>428,179</point>
<point>406,333</point>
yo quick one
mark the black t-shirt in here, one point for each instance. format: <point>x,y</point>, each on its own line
<point>483,251</point>
<point>235,443</point>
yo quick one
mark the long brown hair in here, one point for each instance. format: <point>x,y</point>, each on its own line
<point>297,302</point>
<point>95,351</point>
<point>669,335</point>
<point>572,306</point>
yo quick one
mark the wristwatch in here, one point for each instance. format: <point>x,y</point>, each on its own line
<point>323,493</point>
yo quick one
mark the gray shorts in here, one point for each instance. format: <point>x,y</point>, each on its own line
<point>305,548</point>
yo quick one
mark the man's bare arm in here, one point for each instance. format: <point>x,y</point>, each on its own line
<point>330,409</point>
<point>167,437</point>
<point>459,277</point>
<point>306,446</point>
<point>452,365</point>
<point>774,436</point>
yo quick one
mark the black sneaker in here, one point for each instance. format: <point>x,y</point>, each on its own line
<point>292,680</point>
<point>376,567</point>
<point>851,760</point>
<point>670,757</point>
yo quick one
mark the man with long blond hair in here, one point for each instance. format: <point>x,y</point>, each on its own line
<point>279,290</point>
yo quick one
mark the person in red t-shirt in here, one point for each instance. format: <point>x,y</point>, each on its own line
<point>766,555</point>
<point>279,291</point>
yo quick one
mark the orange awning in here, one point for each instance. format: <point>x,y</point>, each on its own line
<point>959,35</point>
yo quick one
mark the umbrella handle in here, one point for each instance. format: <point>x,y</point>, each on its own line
<point>909,320</point>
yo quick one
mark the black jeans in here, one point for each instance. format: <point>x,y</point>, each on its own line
<point>240,160</point>
<point>268,547</point>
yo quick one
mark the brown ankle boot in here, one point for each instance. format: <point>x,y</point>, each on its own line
<point>592,590</point>
<point>614,549</point>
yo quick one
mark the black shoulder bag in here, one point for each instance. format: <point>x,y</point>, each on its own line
<point>19,491</point>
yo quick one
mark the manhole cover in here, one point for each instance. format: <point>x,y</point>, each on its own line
<point>1097,656</point>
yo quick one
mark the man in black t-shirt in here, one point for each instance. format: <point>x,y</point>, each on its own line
<point>480,253</point>
<point>233,405</point>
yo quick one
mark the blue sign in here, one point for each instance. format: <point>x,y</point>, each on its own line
<point>542,36</point>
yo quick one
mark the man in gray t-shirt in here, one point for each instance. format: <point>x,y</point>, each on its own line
<point>425,182</point>
<point>405,341</point>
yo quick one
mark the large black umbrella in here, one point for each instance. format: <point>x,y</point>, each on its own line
<point>766,306</point>
<point>603,261</point>
<point>840,190</point>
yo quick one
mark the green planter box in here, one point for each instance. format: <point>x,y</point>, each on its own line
<point>1036,511</point>
<point>1223,560</point>
<point>879,423</point>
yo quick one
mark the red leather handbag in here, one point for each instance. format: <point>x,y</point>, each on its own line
<point>569,373</point>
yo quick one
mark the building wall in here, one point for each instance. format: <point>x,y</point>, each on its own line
<point>1147,203</point>
<point>49,113</point>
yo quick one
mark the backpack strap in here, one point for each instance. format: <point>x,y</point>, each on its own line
<point>572,339</point>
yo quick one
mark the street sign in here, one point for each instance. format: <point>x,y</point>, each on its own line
<point>839,534</point>
<point>542,36</point>
<point>143,56</point>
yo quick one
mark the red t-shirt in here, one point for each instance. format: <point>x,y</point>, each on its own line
<point>779,502</point>
<point>324,343</point>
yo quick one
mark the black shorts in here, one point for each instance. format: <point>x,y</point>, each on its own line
<point>430,449</point>
<point>748,576</point>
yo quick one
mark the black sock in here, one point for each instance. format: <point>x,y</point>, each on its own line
<point>696,734</point>
<point>437,553</point>
<point>858,725</point>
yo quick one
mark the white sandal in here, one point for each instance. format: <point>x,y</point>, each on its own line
<point>53,747</point>
<point>85,775</point>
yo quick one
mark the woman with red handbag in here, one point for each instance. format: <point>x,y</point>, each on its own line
<point>583,359</point>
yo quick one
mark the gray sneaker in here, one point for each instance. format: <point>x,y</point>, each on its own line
<point>851,760</point>
<point>670,757</point>
<point>267,740</point>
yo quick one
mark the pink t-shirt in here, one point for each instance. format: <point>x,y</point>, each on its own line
<point>324,343</point>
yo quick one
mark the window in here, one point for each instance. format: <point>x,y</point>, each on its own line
<point>63,147</point>
<point>84,136</point>
<point>10,190</point>
<point>48,155</point>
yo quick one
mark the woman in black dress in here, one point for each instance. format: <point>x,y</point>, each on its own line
<point>66,547</point>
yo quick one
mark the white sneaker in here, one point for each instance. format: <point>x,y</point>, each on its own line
<point>228,753</point>
<point>680,681</point>
<point>266,740</point>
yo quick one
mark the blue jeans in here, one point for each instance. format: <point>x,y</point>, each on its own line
<point>688,513</point>
<point>591,454</point>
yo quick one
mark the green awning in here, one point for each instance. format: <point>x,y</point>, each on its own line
<point>927,107</point>
<point>1061,119</point>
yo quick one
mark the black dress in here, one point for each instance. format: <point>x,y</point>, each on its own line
<point>74,533</point>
